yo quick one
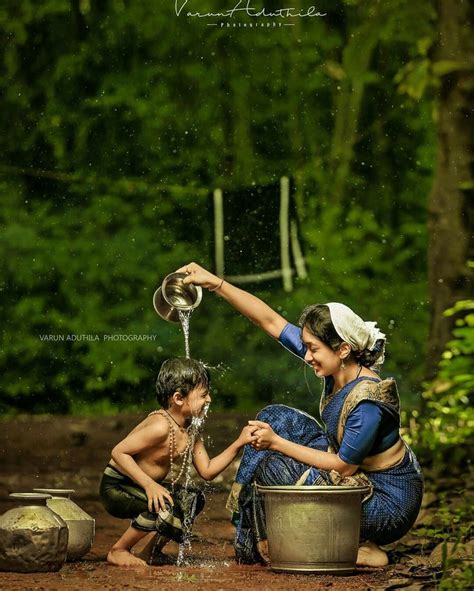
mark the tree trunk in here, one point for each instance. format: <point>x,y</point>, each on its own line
<point>451,207</point>
<point>356,58</point>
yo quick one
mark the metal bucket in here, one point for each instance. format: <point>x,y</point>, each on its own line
<point>173,296</point>
<point>313,529</point>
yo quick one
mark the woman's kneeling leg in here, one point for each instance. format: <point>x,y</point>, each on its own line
<point>279,470</point>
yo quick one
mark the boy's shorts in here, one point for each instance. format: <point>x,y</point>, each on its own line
<point>123,498</point>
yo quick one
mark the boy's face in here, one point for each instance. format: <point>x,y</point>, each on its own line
<point>195,401</point>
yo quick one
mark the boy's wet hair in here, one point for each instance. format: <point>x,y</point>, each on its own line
<point>180,374</point>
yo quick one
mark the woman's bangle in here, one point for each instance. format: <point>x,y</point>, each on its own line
<point>218,287</point>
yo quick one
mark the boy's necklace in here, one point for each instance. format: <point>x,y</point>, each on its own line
<point>166,414</point>
<point>172,445</point>
<point>180,427</point>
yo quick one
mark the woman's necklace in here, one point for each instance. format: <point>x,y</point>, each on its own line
<point>334,392</point>
<point>326,398</point>
<point>172,445</point>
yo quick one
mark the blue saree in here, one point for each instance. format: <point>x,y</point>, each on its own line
<point>397,490</point>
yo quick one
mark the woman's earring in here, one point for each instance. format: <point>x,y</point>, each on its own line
<point>343,365</point>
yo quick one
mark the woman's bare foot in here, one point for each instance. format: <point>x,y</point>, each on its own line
<point>123,557</point>
<point>262,549</point>
<point>371,555</point>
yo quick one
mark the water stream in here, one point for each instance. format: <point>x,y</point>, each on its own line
<point>184,317</point>
<point>194,431</point>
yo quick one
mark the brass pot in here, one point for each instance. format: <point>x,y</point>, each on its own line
<point>313,529</point>
<point>33,538</point>
<point>173,296</point>
<point>81,526</point>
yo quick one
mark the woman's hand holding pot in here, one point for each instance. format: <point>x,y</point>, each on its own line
<point>197,275</point>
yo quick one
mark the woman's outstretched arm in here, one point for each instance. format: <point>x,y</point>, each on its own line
<point>268,439</point>
<point>247,304</point>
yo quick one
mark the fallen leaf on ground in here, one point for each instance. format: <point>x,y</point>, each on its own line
<point>418,561</point>
<point>452,551</point>
<point>412,541</point>
<point>393,584</point>
<point>429,498</point>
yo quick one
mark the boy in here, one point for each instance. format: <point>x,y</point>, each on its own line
<point>133,483</point>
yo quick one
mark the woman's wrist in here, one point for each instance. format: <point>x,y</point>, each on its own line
<point>275,443</point>
<point>218,285</point>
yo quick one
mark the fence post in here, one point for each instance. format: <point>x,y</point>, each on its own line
<point>219,232</point>
<point>285,233</point>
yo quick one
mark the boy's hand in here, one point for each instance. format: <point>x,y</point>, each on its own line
<point>157,496</point>
<point>246,435</point>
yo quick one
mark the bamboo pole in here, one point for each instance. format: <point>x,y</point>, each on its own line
<point>285,234</point>
<point>219,232</point>
<point>297,252</point>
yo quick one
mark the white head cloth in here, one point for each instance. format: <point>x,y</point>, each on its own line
<point>353,330</point>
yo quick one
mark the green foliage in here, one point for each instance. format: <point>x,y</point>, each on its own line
<point>120,119</point>
<point>457,575</point>
<point>452,527</point>
<point>449,523</point>
<point>86,271</point>
<point>442,437</point>
<point>449,420</point>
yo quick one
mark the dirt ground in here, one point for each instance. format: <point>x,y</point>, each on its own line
<point>70,452</point>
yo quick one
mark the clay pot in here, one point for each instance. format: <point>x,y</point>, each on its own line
<point>33,538</point>
<point>81,526</point>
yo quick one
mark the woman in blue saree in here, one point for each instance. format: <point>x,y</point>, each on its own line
<point>359,444</point>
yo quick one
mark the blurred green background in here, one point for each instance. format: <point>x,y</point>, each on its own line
<point>121,118</point>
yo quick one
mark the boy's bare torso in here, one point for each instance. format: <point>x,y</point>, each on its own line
<point>155,462</point>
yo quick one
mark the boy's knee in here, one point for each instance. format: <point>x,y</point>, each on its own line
<point>146,522</point>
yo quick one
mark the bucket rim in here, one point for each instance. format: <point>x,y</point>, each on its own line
<point>301,489</point>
